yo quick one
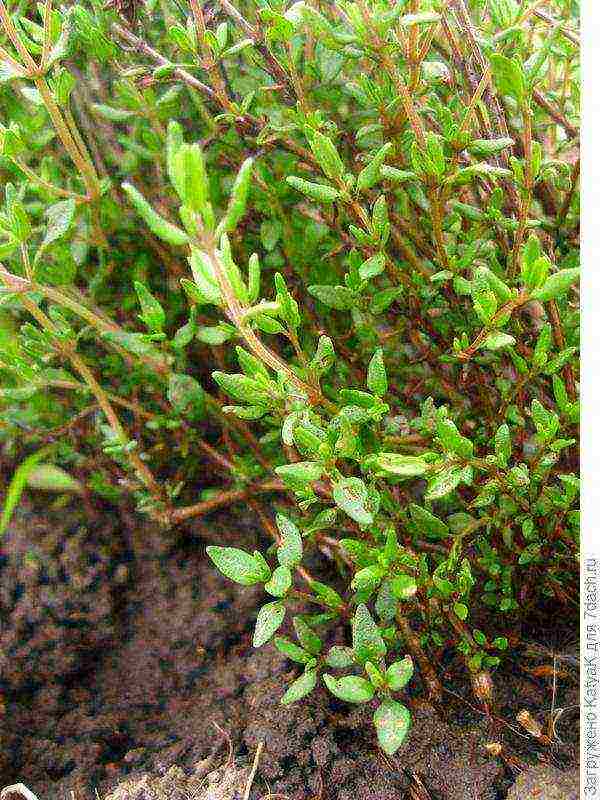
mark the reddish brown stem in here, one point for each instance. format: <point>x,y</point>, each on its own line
<point>430,679</point>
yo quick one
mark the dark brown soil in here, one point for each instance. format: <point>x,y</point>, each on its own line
<point>124,655</point>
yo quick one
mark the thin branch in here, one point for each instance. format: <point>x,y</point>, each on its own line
<point>568,34</point>
<point>14,37</point>
<point>143,47</point>
<point>236,313</point>
<point>47,42</point>
<point>469,33</point>
<point>564,210</point>
<point>555,113</point>
<point>280,74</point>
<point>226,499</point>
<point>44,184</point>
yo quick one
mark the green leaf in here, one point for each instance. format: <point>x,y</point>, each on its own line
<point>237,48</point>
<point>372,267</point>
<point>546,422</point>
<point>280,583</point>
<point>479,637</point>
<point>9,71</point>
<point>498,340</point>
<point>237,565</point>
<point>381,301</point>
<point>291,650</point>
<point>422,18</point>
<point>269,619</point>
<point>288,307</point>
<point>132,342</point>
<point>325,593</point>
<point>338,297</point>
<point>461,611</point>
<point>443,483</point>
<point>500,289</point>
<point>270,233</point>
<point>367,578</point>
<point>484,301</point>
<point>160,227</point>
<point>184,335</point>
<point>204,289</point>
<point>215,334</point>
<point>508,76</point>
<point>307,637</point>
<point>538,272</point>
<point>60,216</point>
<point>316,191</point>
<point>504,13</point>
<point>429,161</point>
<point>560,393</point>
<point>556,285</point>
<point>351,689</point>
<point>153,314</point>
<point>392,721</point>
<point>254,270</point>
<point>376,374</point>
<point>340,657</point>
<point>399,673</point>
<point>300,471</point>
<point>324,356</point>
<point>487,147</point>
<point>396,464</point>
<point>185,395</point>
<point>178,35</point>
<point>396,175</point>
<point>328,157</point>
<point>289,553</point>
<point>110,113</point>
<point>355,397</point>
<point>241,387</point>
<point>50,478</point>
<point>435,152</point>
<point>375,676</point>
<point>542,346</point>
<point>371,174</point>
<point>480,170</point>
<point>557,363</point>
<point>452,440</point>
<point>351,495</point>
<point>503,444</point>
<point>246,412</point>
<point>427,523</point>
<point>530,257</point>
<point>250,365</point>
<point>300,687</point>
<point>232,270</point>
<point>386,604</point>
<point>391,549</point>
<point>359,552</point>
<point>187,173</point>
<point>367,642</point>
<point>17,484</point>
<point>381,228</point>
<point>239,198</point>
<point>403,587</point>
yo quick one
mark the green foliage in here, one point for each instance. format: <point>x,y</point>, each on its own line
<point>17,484</point>
<point>325,268</point>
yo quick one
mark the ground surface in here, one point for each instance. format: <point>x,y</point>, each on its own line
<point>126,667</point>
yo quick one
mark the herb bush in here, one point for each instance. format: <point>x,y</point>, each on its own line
<point>326,253</point>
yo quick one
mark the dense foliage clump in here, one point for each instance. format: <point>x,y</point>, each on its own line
<point>322,254</point>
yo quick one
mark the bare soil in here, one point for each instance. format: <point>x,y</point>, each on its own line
<point>126,666</point>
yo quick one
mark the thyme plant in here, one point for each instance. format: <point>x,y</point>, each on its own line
<point>322,255</point>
